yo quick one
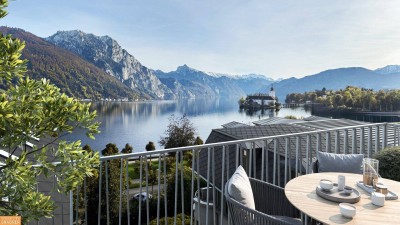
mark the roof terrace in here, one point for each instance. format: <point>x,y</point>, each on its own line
<point>185,184</point>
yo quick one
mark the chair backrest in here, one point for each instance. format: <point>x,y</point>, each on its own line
<point>242,215</point>
<point>239,213</point>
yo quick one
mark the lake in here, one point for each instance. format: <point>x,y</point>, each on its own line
<point>137,123</point>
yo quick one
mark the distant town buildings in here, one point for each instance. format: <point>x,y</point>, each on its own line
<point>108,100</point>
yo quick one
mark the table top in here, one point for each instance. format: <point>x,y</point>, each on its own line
<point>301,193</point>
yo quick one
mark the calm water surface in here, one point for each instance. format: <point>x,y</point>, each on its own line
<point>137,123</point>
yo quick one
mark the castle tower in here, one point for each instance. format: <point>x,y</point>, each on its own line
<point>272,92</point>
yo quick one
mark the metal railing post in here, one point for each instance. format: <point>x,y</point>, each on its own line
<point>308,149</point>
<point>286,159</point>
<point>274,170</point>
<point>328,141</point>
<point>71,208</point>
<point>298,155</point>
<point>222,184</point>
<point>385,135</point>
<point>377,138</point>
<point>353,141</point>
<point>369,142</point>
<point>263,149</point>
<point>337,142</point>
<point>100,185</point>
<point>362,141</point>
<point>345,142</point>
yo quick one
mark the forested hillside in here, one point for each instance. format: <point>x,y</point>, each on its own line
<point>73,75</point>
<point>351,98</point>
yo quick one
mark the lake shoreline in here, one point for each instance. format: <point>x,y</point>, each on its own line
<point>356,114</point>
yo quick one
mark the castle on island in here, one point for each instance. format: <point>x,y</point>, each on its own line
<point>260,100</point>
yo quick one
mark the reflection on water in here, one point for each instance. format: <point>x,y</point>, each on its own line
<point>260,112</point>
<point>137,123</point>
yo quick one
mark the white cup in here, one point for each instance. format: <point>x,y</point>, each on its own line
<point>341,182</point>
<point>378,198</point>
<point>347,210</point>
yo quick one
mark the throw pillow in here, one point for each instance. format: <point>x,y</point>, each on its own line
<point>346,163</point>
<point>239,188</point>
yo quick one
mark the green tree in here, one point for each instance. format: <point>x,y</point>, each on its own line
<point>198,141</point>
<point>128,149</point>
<point>112,168</point>
<point>389,163</point>
<point>37,109</point>
<point>92,195</point>
<point>313,97</point>
<point>150,146</point>
<point>111,149</point>
<point>87,148</point>
<point>180,133</point>
<point>241,101</point>
<point>152,174</point>
<point>338,100</point>
<point>110,174</point>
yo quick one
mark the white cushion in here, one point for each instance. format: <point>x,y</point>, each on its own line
<point>239,188</point>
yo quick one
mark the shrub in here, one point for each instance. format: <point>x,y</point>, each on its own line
<point>134,213</point>
<point>389,163</point>
<point>171,220</point>
<point>291,117</point>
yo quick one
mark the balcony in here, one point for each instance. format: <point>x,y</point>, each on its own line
<point>185,184</point>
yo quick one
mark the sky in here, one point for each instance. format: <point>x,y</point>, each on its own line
<point>279,39</point>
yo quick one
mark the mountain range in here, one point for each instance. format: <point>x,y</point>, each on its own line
<point>105,53</point>
<point>73,75</point>
<point>88,66</point>
<point>383,78</point>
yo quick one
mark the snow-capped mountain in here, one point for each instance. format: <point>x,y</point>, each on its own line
<point>200,83</point>
<point>107,54</point>
<point>240,77</point>
<point>388,69</point>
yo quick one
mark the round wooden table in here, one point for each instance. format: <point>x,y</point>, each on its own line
<point>301,193</point>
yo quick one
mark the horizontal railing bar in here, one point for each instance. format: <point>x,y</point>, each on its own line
<point>204,146</point>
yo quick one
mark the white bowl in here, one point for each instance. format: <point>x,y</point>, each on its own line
<point>326,184</point>
<point>347,210</point>
<point>347,190</point>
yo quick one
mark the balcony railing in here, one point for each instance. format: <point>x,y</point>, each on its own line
<point>186,183</point>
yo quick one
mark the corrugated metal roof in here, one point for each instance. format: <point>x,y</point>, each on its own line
<point>233,124</point>
<point>273,120</point>
<point>261,131</point>
<point>329,123</point>
<point>312,118</point>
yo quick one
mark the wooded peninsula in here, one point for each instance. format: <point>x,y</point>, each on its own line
<point>351,98</point>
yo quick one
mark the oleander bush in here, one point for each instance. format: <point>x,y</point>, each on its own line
<point>389,163</point>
